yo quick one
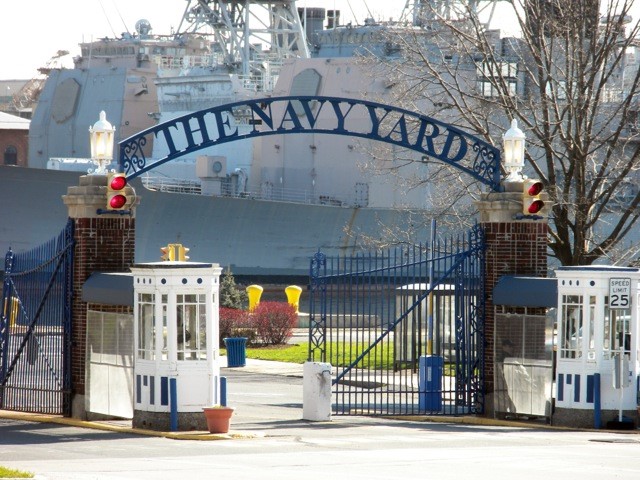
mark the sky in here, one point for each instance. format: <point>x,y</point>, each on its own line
<point>33,31</point>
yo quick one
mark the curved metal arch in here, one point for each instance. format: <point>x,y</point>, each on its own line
<point>302,114</point>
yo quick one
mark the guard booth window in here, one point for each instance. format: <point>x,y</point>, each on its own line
<point>591,355</point>
<point>164,346</point>
<point>571,336</point>
<point>191,315</point>
<point>617,335</point>
<point>146,323</point>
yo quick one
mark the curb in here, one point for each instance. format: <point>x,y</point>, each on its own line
<point>73,422</point>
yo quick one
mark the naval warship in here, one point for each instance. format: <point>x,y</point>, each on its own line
<point>261,207</point>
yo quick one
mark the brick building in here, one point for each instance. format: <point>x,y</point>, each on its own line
<point>14,140</point>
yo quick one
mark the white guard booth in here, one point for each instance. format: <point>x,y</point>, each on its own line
<point>597,369</point>
<point>177,368</point>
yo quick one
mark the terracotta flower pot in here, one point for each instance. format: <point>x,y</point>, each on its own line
<point>218,418</point>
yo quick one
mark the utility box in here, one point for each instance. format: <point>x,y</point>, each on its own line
<point>597,366</point>
<point>177,368</point>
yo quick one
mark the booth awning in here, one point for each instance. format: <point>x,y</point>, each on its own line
<point>109,289</point>
<point>526,292</point>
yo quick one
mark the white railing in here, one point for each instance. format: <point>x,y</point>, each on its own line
<point>275,194</point>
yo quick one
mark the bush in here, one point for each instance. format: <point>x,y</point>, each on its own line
<point>236,323</point>
<point>274,322</point>
<point>231,295</point>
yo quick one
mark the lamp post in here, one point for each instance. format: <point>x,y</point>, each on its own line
<point>101,138</point>
<point>513,142</point>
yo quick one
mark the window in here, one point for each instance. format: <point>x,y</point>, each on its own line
<point>491,76</point>
<point>591,355</point>
<point>146,325</point>
<point>572,331</point>
<point>617,335</point>
<point>164,349</point>
<point>10,155</point>
<point>191,322</point>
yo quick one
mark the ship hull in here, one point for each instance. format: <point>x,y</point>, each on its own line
<point>252,237</point>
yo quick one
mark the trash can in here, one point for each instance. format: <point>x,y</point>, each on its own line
<point>236,351</point>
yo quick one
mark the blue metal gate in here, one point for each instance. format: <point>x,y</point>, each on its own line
<point>402,328</point>
<point>35,328</point>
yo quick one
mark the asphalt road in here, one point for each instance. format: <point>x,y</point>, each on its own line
<point>277,444</point>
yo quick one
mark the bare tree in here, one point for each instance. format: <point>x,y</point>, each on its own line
<point>571,79</point>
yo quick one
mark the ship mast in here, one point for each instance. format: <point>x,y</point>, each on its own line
<point>428,12</point>
<point>248,33</point>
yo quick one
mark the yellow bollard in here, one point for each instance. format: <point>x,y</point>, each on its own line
<point>11,306</point>
<point>254,292</point>
<point>293,296</point>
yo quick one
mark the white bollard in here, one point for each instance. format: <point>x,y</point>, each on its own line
<point>316,392</point>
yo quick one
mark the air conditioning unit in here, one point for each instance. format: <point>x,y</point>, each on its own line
<point>208,166</point>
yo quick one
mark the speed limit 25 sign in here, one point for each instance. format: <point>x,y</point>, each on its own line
<point>619,293</point>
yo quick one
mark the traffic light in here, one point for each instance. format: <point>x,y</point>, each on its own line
<point>174,252</point>
<point>167,253</point>
<point>116,196</point>
<point>182,253</point>
<point>531,202</point>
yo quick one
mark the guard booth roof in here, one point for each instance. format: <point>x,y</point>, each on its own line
<point>518,291</point>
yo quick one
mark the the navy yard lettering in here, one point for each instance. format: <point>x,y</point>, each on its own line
<point>328,115</point>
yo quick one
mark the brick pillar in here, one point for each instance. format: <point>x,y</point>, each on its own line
<point>104,243</point>
<point>514,247</point>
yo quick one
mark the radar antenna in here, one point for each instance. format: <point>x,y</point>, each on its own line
<point>143,27</point>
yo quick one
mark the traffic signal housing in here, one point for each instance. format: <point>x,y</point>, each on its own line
<point>532,204</point>
<point>174,252</point>
<point>116,196</point>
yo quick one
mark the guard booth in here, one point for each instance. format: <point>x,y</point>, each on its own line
<point>176,338</point>
<point>597,370</point>
<point>523,347</point>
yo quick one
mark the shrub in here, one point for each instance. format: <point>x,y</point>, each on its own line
<point>231,320</point>
<point>274,322</point>
<point>231,296</point>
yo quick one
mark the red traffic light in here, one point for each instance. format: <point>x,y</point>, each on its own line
<point>116,197</point>
<point>535,188</point>
<point>531,202</point>
<point>116,202</point>
<point>118,182</point>
<point>535,206</point>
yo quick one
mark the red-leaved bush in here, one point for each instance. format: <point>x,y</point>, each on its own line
<point>235,323</point>
<point>274,322</point>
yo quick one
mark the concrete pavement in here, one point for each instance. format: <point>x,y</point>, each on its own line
<point>266,395</point>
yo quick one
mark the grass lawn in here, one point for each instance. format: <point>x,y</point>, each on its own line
<point>11,473</point>
<point>298,353</point>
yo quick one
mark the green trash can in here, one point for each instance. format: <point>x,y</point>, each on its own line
<point>236,351</point>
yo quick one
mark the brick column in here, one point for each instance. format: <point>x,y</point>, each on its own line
<point>514,247</point>
<point>104,243</point>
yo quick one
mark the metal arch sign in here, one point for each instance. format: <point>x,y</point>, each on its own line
<point>310,114</point>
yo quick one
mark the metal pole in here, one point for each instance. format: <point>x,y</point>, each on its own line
<point>431,281</point>
<point>173,400</point>
<point>597,414</point>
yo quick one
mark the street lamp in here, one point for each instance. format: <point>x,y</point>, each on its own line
<point>513,141</point>
<point>101,137</point>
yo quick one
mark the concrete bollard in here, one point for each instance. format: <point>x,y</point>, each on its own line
<point>316,392</point>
